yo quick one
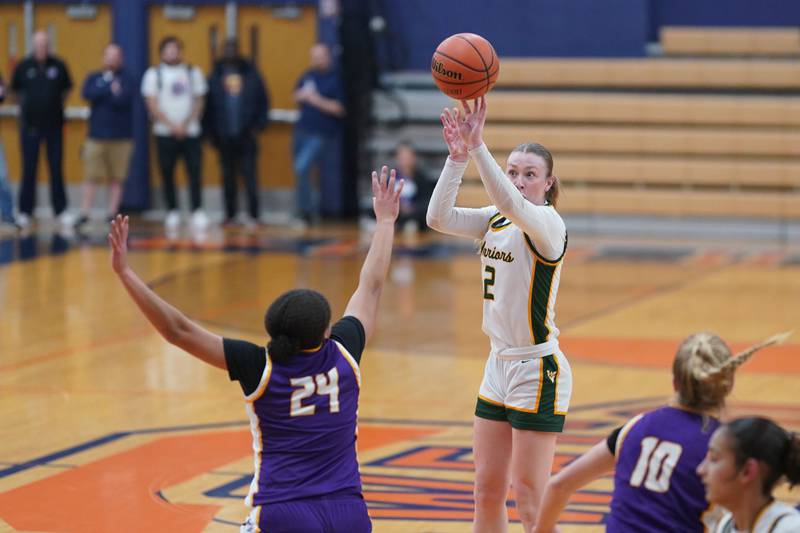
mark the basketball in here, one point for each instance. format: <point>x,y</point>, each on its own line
<point>465,66</point>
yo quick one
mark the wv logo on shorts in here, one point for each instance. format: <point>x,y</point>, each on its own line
<point>551,375</point>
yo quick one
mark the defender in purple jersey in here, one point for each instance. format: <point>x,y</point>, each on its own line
<point>301,391</point>
<point>654,456</point>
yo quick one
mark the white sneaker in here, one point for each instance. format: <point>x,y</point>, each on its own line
<point>23,221</point>
<point>66,220</point>
<point>199,219</point>
<point>173,220</point>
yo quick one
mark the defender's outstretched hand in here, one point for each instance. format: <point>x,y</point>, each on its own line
<point>118,239</point>
<point>386,194</point>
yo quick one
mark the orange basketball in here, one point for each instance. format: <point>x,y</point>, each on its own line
<point>465,66</point>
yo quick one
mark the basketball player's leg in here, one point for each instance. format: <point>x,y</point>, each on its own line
<point>491,448</point>
<point>531,463</point>
<point>537,402</point>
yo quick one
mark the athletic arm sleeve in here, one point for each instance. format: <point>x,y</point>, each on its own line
<point>246,362</point>
<point>350,333</point>
<point>444,216</point>
<point>541,223</point>
<point>611,441</point>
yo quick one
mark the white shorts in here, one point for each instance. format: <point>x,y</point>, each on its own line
<point>529,393</point>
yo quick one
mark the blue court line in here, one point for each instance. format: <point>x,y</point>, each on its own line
<point>100,441</point>
<point>43,460</point>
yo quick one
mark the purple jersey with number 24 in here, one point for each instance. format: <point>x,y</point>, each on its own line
<point>303,418</point>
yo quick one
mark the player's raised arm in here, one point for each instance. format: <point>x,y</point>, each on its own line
<point>443,215</point>
<point>386,202</point>
<point>541,224</point>
<point>173,325</point>
<point>582,471</point>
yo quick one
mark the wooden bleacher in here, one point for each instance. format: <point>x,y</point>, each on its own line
<point>727,41</point>
<point>615,108</point>
<point>604,200</point>
<point>651,73</point>
<point>648,139</point>
<point>677,137</point>
<point>663,155</point>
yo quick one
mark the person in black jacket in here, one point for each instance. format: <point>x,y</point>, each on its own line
<point>41,83</point>
<point>236,110</point>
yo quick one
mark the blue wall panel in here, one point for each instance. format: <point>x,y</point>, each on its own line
<point>723,13</point>
<point>547,28</point>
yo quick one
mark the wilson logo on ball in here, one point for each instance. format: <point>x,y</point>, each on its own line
<point>437,66</point>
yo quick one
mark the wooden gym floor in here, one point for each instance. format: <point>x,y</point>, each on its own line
<point>106,427</point>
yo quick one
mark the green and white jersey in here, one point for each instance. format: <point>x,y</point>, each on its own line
<point>777,517</point>
<point>522,248</point>
<point>519,287</point>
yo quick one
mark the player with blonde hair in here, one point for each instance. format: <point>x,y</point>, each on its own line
<point>527,382</point>
<point>655,454</point>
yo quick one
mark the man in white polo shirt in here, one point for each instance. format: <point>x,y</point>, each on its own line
<point>175,95</point>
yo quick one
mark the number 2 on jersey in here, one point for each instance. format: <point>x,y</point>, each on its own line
<point>319,384</point>
<point>488,282</point>
<point>657,460</point>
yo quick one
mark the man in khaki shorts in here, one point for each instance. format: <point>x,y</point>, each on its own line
<point>107,151</point>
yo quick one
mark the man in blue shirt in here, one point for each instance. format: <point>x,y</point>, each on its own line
<point>107,151</point>
<point>41,83</point>
<point>316,135</point>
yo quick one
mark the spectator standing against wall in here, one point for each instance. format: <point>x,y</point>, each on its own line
<point>317,132</point>
<point>175,94</point>
<point>6,202</point>
<point>41,83</point>
<point>236,111</point>
<point>107,151</point>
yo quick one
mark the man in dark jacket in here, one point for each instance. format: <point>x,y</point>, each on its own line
<point>41,83</point>
<point>236,110</point>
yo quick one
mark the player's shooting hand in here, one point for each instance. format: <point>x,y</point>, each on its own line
<point>470,126</point>
<point>118,240</point>
<point>386,195</point>
<point>450,132</point>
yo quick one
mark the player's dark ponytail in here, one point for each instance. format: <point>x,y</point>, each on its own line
<point>791,463</point>
<point>296,320</point>
<point>764,440</point>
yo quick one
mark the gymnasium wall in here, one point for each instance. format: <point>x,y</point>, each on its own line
<point>722,13</point>
<point>557,28</point>
<point>550,28</point>
<point>283,45</point>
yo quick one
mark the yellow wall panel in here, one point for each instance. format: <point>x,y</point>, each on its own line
<point>11,24</point>
<point>79,43</point>
<point>283,46</point>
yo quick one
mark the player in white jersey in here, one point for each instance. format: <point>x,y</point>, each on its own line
<point>746,460</point>
<point>527,383</point>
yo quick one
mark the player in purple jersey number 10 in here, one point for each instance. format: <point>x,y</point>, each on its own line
<point>655,454</point>
<point>301,390</point>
